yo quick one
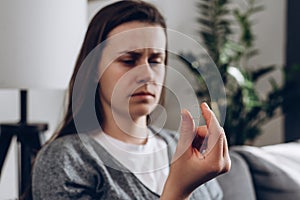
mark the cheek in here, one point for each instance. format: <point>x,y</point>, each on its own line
<point>109,75</point>
<point>107,82</point>
<point>114,83</point>
<point>160,76</point>
<point>104,89</point>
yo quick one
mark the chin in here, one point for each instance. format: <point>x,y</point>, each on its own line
<point>141,111</point>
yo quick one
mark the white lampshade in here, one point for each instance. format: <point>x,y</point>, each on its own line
<point>40,41</point>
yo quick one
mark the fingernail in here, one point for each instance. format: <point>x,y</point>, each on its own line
<point>183,116</point>
<point>206,106</point>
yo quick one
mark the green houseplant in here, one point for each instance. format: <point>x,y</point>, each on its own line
<point>246,111</point>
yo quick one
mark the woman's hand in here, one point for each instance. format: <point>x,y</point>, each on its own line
<point>190,168</point>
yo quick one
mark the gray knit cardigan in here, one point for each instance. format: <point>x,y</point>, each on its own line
<point>78,167</point>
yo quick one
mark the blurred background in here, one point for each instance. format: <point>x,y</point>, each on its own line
<point>270,95</point>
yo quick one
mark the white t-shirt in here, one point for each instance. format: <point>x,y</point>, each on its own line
<point>148,162</point>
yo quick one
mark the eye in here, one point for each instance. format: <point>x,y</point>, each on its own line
<point>129,62</point>
<point>157,59</point>
<point>156,62</point>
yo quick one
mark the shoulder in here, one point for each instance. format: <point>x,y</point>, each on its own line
<point>65,167</point>
<point>63,145</point>
<point>66,158</point>
<point>64,151</point>
<point>211,190</point>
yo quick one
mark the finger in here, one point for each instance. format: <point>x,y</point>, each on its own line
<point>225,145</point>
<point>187,132</point>
<point>209,116</point>
<point>202,131</point>
<point>214,128</point>
<point>226,155</point>
<point>200,140</point>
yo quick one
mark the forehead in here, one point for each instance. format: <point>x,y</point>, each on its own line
<point>136,35</point>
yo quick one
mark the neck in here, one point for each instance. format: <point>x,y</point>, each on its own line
<point>126,130</point>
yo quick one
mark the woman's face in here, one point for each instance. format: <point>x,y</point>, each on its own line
<point>132,69</point>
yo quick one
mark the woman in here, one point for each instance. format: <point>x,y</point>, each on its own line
<point>120,157</point>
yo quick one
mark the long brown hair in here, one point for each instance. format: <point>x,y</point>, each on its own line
<point>100,26</point>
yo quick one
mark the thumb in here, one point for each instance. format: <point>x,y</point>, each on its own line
<point>187,131</point>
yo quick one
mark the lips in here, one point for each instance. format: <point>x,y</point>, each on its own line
<point>143,94</point>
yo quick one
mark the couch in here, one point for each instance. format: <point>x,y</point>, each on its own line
<point>263,173</point>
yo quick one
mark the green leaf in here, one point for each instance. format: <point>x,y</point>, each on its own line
<point>205,22</point>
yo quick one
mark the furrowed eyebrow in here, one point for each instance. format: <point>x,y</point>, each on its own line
<point>137,53</point>
<point>158,54</point>
<point>131,53</point>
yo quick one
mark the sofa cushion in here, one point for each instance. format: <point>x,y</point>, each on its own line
<point>237,183</point>
<point>275,170</point>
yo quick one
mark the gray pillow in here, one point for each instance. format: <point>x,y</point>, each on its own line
<point>237,184</point>
<point>275,170</point>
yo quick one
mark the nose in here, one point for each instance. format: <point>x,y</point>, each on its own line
<point>145,74</point>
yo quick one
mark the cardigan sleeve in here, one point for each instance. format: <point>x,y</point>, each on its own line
<point>61,172</point>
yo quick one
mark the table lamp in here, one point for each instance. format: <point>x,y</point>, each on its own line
<point>40,40</point>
